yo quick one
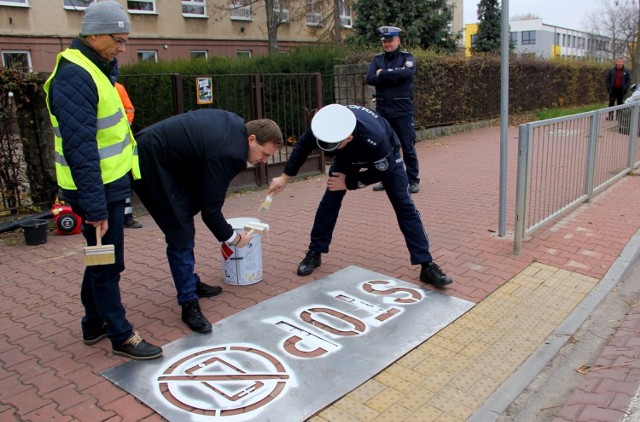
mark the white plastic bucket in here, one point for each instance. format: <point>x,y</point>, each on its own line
<point>242,266</point>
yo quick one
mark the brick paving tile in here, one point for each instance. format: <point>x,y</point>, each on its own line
<point>458,200</point>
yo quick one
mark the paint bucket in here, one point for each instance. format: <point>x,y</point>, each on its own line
<point>35,231</point>
<point>242,266</point>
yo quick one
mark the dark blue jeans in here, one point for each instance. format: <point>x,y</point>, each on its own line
<point>100,292</point>
<point>182,263</point>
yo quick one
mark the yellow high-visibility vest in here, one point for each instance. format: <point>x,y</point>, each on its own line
<point>116,144</point>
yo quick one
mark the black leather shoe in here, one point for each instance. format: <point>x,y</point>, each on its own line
<point>204,290</point>
<point>414,187</point>
<point>92,338</point>
<point>432,274</point>
<point>311,261</point>
<point>193,317</point>
<point>136,348</point>
<point>132,224</point>
<point>379,187</point>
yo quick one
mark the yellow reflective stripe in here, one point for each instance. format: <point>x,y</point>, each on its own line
<point>104,153</point>
<point>109,121</point>
<point>60,159</point>
<point>103,123</point>
<point>115,149</point>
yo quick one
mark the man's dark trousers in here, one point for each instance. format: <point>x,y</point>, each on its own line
<point>404,128</point>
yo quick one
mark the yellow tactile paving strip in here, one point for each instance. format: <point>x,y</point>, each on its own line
<point>447,377</point>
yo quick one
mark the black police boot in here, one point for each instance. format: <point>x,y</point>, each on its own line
<point>204,290</point>
<point>432,274</point>
<point>311,261</point>
<point>414,187</point>
<point>379,187</point>
<point>193,317</point>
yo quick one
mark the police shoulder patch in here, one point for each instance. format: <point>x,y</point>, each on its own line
<point>408,63</point>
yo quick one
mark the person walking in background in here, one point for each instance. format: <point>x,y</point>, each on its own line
<point>95,157</point>
<point>365,150</point>
<point>618,81</point>
<point>129,222</point>
<point>391,73</point>
<point>188,162</point>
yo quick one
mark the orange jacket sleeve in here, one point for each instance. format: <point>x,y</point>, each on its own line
<point>126,102</point>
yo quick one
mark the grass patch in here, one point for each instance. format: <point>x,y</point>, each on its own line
<point>561,112</point>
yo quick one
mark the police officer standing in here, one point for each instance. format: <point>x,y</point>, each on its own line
<point>392,73</point>
<point>366,151</point>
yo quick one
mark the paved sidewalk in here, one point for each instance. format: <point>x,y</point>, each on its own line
<point>48,374</point>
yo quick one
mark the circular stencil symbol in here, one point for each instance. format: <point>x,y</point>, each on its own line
<point>223,381</point>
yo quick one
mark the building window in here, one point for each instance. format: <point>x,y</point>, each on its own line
<point>141,6</point>
<point>557,39</point>
<point>345,14</point>
<point>514,37</point>
<point>314,12</point>
<point>243,53</point>
<point>199,54</point>
<point>240,10</point>
<point>281,10</point>
<point>17,59</point>
<point>22,3</point>
<point>76,4</point>
<point>528,37</point>
<point>144,55</point>
<point>194,8</point>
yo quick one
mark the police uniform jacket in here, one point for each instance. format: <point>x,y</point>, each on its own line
<point>394,84</point>
<point>187,162</point>
<point>367,159</point>
<point>73,99</point>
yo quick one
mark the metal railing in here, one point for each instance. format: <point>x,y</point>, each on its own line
<point>565,161</point>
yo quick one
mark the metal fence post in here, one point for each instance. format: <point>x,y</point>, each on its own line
<point>633,139</point>
<point>592,150</point>
<point>176,90</point>
<point>521,186</point>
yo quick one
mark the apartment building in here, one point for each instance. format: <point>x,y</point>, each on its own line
<point>533,37</point>
<point>32,32</point>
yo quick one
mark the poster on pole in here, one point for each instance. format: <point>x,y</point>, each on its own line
<point>204,90</point>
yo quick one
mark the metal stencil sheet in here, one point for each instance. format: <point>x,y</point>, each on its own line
<point>290,356</point>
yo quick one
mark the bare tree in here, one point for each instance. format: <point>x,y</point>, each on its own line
<point>326,15</point>
<point>525,17</point>
<point>617,20</point>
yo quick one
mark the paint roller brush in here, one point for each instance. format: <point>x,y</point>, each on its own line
<point>260,228</point>
<point>99,254</point>
<point>266,203</point>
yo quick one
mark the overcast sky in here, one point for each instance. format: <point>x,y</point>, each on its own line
<point>566,13</point>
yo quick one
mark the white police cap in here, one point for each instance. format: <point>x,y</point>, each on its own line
<point>331,125</point>
<point>389,32</point>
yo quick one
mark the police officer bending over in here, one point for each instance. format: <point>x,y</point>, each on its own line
<point>391,73</point>
<point>365,150</point>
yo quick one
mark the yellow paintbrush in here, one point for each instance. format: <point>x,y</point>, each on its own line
<point>99,254</point>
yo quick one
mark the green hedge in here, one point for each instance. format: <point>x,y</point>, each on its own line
<point>449,89</point>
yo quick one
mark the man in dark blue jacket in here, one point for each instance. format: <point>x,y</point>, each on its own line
<point>366,151</point>
<point>94,159</point>
<point>187,163</point>
<point>391,73</point>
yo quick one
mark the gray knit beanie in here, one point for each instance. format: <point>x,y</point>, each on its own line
<point>105,17</point>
